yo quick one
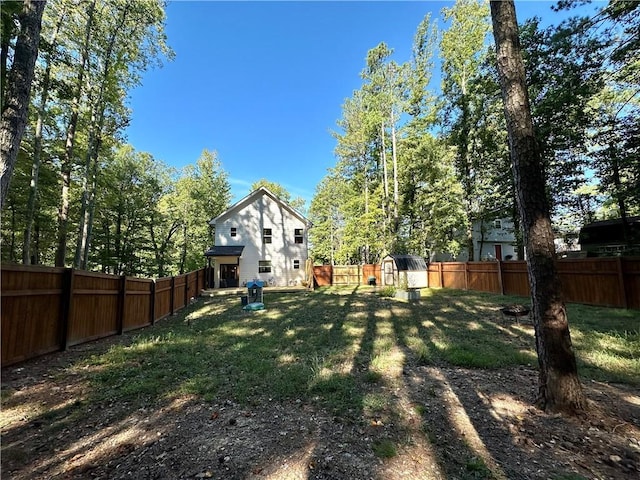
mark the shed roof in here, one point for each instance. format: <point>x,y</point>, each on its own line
<point>224,251</point>
<point>409,262</point>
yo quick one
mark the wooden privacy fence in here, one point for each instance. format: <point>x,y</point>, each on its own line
<point>46,309</point>
<point>613,282</point>
<point>325,275</point>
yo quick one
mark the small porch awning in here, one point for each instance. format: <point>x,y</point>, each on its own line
<point>224,251</point>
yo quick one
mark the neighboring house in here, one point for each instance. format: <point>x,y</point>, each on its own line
<point>260,237</point>
<point>606,238</point>
<point>492,240</point>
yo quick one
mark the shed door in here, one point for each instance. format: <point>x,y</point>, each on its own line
<point>388,273</point>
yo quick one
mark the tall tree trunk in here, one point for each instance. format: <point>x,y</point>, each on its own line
<point>37,145</point>
<point>385,201</point>
<point>93,150</point>
<point>63,214</point>
<point>394,154</point>
<point>367,247</point>
<point>16,102</point>
<point>559,388</point>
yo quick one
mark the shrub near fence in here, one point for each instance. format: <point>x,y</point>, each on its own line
<point>613,282</point>
<point>45,309</point>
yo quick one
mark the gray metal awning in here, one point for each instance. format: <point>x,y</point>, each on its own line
<point>224,251</point>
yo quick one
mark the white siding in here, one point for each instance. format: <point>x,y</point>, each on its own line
<point>249,219</point>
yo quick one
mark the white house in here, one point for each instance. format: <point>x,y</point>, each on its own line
<point>492,240</point>
<point>260,237</point>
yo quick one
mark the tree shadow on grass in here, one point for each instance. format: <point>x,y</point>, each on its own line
<point>332,384</point>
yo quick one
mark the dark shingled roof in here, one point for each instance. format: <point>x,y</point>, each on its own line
<point>609,231</point>
<point>409,262</point>
<point>224,251</point>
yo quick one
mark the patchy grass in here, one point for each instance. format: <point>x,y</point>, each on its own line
<point>339,346</point>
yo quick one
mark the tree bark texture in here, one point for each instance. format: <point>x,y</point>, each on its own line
<point>559,388</point>
<point>17,90</point>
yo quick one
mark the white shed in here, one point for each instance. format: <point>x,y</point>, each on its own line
<point>405,271</point>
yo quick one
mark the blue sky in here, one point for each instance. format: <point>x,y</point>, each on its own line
<point>262,83</point>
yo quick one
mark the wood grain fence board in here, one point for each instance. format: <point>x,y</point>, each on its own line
<point>454,275</point>
<point>371,270</point>
<point>30,323</point>
<point>631,278</point>
<point>592,281</point>
<point>163,298</point>
<point>179,290</point>
<point>137,308</point>
<point>433,274</point>
<point>93,316</point>
<point>515,280</point>
<point>483,277</point>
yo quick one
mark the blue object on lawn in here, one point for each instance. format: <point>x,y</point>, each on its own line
<point>252,307</point>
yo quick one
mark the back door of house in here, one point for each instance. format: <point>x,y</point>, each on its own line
<point>228,275</point>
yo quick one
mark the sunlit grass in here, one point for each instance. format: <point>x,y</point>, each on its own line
<point>339,346</point>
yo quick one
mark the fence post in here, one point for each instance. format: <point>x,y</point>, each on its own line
<point>153,301</point>
<point>66,306</point>
<point>172,290</point>
<point>500,281</point>
<point>186,289</point>
<point>623,290</point>
<point>122,293</point>
<point>441,274</point>
<point>466,275</point>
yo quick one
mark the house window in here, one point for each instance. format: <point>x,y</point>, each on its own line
<point>497,224</point>
<point>298,235</point>
<point>234,231</point>
<point>264,266</point>
<point>266,235</point>
<point>296,264</point>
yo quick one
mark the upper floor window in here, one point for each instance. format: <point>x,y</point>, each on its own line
<point>296,264</point>
<point>497,224</point>
<point>298,235</point>
<point>266,235</point>
<point>234,231</point>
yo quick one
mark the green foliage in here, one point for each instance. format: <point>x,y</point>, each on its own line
<point>384,448</point>
<point>388,291</point>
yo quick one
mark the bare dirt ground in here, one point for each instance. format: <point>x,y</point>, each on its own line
<point>456,424</point>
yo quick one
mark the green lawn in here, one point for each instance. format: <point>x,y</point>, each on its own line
<point>327,346</point>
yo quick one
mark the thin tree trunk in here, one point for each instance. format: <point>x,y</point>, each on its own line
<point>37,146</point>
<point>93,150</point>
<point>559,388</point>
<point>396,195</point>
<point>16,102</point>
<point>63,215</point>
<point>385,206</point>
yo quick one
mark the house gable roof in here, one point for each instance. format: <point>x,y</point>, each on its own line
<point>239,205</point>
